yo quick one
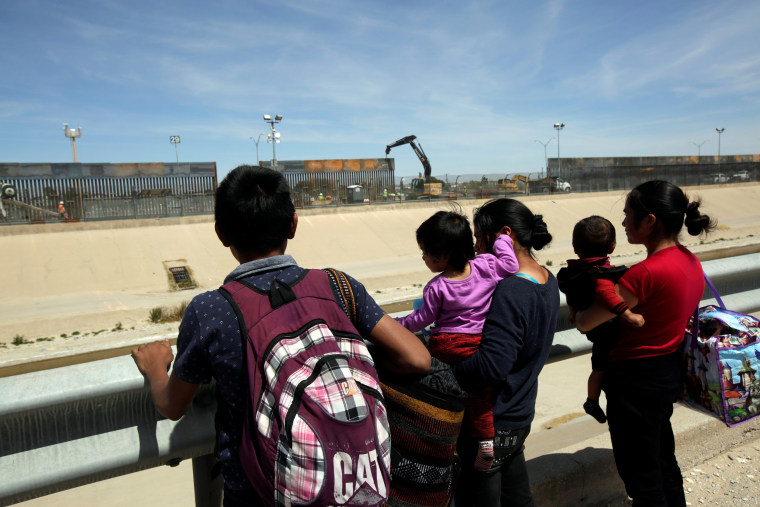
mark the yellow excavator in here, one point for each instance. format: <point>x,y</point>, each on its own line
<point>511,186</point>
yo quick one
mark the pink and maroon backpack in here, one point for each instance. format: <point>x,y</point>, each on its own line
<point>316,430</point>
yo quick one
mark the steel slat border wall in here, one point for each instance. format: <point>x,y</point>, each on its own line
<point>97,198</point>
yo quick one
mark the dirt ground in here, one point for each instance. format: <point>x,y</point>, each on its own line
<point>729,479</point>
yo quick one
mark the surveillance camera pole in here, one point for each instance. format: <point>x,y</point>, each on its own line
<point>72,134</point>
<point>274,137</point>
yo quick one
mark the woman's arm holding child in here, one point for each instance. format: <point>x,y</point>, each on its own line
<point>605,293</point>
<point>588,319</point>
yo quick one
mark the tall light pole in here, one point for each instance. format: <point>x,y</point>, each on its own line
<point>72,134</point>
<point>274,137</point>
<point>719,131</point>
<point>699,146</point>
<point>256,140</point>
<point>558,126</point>
<point>699,156</point>
<point>545,159</point>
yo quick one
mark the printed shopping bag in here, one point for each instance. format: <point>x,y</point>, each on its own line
<point>722,356</point>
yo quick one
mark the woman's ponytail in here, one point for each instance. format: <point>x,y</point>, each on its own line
<point>696,223</point>
<point>540,236</point>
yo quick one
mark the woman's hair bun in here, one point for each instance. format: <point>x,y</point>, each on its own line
<point>696,223</point>
<point>540,236</point>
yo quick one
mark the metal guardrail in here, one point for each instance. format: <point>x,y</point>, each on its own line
<point>80,424</point>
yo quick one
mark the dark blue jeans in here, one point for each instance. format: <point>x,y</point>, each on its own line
<point>506,483</point>
<point>640,397</point>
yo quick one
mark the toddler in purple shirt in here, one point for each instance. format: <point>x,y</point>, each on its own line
<point>456,302</point>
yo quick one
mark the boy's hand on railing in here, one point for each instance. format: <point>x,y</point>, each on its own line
<point>171,395</point>
<point>153,358</point>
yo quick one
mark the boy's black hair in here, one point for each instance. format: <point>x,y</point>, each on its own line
<point>447,233</point>
<point>593,236</point>
<point>253,210</point>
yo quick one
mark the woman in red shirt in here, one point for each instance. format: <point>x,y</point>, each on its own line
<point>644,374</point>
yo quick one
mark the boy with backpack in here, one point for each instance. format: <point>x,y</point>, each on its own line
<point>300,418</point>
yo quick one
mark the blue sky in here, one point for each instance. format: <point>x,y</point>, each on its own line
<point>476,82</point>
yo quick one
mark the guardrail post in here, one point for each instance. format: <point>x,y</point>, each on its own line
<point>208,489</point>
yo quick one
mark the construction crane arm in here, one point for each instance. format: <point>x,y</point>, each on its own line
<point>417,150</point>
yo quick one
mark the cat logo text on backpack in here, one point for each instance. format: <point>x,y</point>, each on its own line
<point>316,429</point>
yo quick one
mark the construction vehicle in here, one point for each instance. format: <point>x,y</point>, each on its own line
<point>7,194</point>
<point>524,185</point>
<point>7,191</point>
<point>549,185</point>
<point>423,187</point>
<point>517,184</point>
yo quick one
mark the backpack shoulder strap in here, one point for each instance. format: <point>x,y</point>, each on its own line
<point>225,292</point>
<point>237,417</point>
<point>342,288</point>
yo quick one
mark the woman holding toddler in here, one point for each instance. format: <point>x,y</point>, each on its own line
<point>515,344</point>
<point>643,377</point>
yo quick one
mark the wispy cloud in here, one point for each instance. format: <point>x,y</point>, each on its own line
<point>704,50</point>
<point>477,82</point>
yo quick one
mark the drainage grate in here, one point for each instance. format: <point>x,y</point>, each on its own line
<point>182,277</point>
